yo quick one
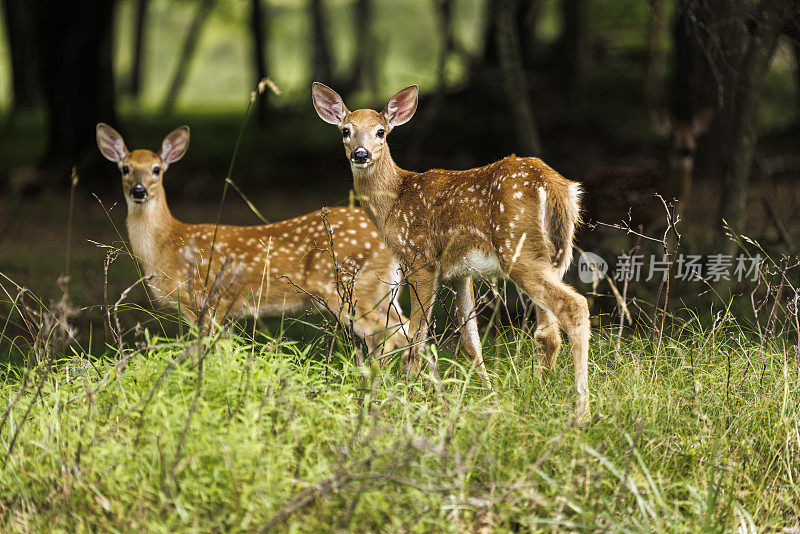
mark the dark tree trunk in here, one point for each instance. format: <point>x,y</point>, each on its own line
<point>19,21</point>
<point>321,62</point>
<point>524,20</point>
<point>490,17</point>
<point>444,12</point>
<point>769,19</point>
<point>528,21</point>
<point>656,53</point>
<point>74,49</point>
<point>135,82</point>
<point>575,47</point>
<point>364,70</point>
<point>709,40</point>
<point>515,83</point>
<point>187,53</point>
<point>796,50</point>
<point>792,31</point>
<point>259,56</point>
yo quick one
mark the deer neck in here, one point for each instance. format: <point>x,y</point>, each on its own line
<point>150,227</point>
<point>679,176</point>
<point>378,187</point>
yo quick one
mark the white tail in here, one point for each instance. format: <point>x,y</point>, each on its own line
<point>515,217</point>
<point>255,270</point>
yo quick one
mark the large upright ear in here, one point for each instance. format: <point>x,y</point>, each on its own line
<point>661,122</point>
<point>174,146</point>
<point>329,105</point>
<point>401,106</point>
<point>110,143</point>
<point>702,120</point>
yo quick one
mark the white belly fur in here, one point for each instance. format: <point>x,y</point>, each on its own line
<point>476,262</point>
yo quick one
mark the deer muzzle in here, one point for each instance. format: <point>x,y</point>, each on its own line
<point>360,156</point>
<point>138,193</point>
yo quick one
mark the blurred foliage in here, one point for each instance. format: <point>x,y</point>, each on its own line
<point>220,77</point>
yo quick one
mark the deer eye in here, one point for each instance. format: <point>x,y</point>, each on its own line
<point>156,170</point>
<point>381,132</point>
<point>125,169</point>
<point>345,132</point>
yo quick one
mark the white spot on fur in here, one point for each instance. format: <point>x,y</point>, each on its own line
<point>543,209</point>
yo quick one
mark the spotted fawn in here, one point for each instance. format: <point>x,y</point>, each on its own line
<point>515,217</point>
<point>255,270</point>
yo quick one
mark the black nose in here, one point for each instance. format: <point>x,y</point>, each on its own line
<point>360,155</point>
<point>686,152</point>
<point>138,192</point>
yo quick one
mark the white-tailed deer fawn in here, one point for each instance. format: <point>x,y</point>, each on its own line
<point>246,260</point>
<point>612,192</point>
<point>515,217</point>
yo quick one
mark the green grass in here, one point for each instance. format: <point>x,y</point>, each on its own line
<point>700,437</point>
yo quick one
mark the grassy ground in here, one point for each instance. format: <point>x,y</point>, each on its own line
<point>241,435</point>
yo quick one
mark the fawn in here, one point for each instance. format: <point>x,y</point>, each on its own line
<point>612,192</point>
<point>246,259</point>
<point>514,217</point>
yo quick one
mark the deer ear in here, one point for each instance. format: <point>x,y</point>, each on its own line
<point>702,120</point>
<point>110,143</point>
<point>661,122</point>
<point>401,106</point>
<point>174,145</point>
<point>329,105</point>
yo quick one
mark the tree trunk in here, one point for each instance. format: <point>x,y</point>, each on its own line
<point>792,31</point>
<point>364,71</point>
<point>490,16</point>
<point>135,82</point>
<point>74,52</point>
<point>524,20</point>
<point>515,84</point>
<point>528,21</point>
<point>709,39</point>
<point>656,53</point>
<point>321,62</point>
<point>19,22</point>
<point>259,56</point>
<point>575,47</point>
<point>769,19</point>
<point>186,55</point>
<point>444,12</point>
<point>796,50</point>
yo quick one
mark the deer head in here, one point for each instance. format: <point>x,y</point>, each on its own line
<point>142,170</point>
<point>364,131</point>
<point>682,136</point>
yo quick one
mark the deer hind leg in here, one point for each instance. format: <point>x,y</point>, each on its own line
<point>542,284</point>
<point>422,286</point>
<point>470,339</point>
<point>548,337</point>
